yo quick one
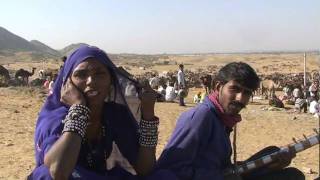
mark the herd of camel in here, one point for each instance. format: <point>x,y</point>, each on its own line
<point>269,83</point>
<point>23,75</point>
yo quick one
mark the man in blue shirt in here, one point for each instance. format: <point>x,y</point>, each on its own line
<point>200,148</point>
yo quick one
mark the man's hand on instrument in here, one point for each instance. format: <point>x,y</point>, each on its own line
<point>283,160</point>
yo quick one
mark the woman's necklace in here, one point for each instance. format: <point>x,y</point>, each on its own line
<point>96,154</point>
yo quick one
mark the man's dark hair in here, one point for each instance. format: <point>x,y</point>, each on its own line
<point>240,72</point>
<point>180,65</point>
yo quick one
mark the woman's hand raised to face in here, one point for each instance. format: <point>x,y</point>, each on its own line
<point>148,98</point>
<point>70,94</point>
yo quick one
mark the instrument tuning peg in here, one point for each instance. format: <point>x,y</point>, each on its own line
<point>294,140</point>
<point>305,136</point>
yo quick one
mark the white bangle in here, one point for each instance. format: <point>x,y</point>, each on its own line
<point>149,132</point>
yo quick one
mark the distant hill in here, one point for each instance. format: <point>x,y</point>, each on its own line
<point>16,48</point>
<point>69,49</point>
<point>12,42</point>
<point>44,48</point>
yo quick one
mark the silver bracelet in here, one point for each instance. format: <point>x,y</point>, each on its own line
<point>149,133</point>
<point>76,120</point>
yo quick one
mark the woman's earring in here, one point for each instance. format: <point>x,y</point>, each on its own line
<point>110,94</point>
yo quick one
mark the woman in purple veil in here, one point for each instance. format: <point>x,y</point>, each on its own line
<point>86,120</point>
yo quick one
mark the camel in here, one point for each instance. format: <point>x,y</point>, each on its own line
<point>4,74</point>
<point>268,87</point>
<point>24,75</point>
<point>43,73</point>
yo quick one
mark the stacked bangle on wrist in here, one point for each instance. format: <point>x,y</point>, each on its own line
<point>149,132</point>
<point>76,120</point>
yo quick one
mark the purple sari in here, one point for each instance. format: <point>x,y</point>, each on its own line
<point>123,126</point>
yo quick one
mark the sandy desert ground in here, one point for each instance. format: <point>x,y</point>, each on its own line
<point>259,128</point>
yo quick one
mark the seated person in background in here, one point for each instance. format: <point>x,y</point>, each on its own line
<point>286,93</point>
<point>276,102</point>
<point>300,104</point>
<point>314,108</point>
<point>154,81</point>
<point>162,90</point>
<point>46,83</point>
<point>202,95</point>
<point>159,96</point>
<point>170,92</point>
<point>296,92</point>
<point>161,93</point>
<point>197,97</point>
<point>314,88</point>
<point>51,84</point>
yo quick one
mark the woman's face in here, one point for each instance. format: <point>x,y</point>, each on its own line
<point>93,79</point>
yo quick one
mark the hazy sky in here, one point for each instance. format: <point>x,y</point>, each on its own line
<point>167,26</point>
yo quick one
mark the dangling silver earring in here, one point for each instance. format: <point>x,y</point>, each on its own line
<point>111,94</point>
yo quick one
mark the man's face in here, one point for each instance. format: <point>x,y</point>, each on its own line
<point>233,96</point>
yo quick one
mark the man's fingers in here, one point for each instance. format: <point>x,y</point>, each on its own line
<point>285,158</point>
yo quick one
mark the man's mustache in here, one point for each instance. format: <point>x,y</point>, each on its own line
<point>237,104</point>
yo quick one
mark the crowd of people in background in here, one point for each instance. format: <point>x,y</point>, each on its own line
<point>172,90</point>
<point>176,89</point>
<point>303,98</point>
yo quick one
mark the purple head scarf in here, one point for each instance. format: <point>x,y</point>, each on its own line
<point>49,125</point>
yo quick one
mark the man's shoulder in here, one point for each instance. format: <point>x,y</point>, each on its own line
<point>200,118</point>
<point>201,112</point>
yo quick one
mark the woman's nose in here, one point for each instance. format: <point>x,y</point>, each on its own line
<point>89,80</point>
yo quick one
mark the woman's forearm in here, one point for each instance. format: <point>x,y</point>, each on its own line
<point>146,160</point>
<point>148,137</point>
<point>62,157</point>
